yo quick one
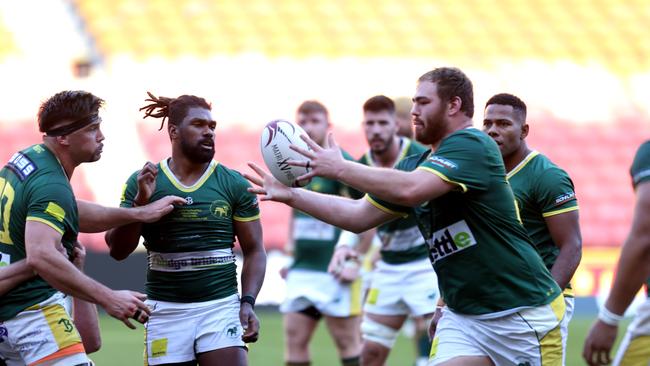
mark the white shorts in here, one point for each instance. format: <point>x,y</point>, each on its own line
<point>402,289</point>
<point>176,332</point>
<point>43,334</point>
<point>635,346</point>
<point>324,292</point>
<point>564,324</point>
<point>530,336</point>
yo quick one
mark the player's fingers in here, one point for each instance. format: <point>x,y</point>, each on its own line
<point>127,322</point>
<point>257,169</point>
<point>301,151</point>
<point>255,180</point>
<point>301,163</point>
<point>331,142</point>
<point>311,143</point>
<point>256,190</point>
<point>603,357</point>
<point>307,176</point>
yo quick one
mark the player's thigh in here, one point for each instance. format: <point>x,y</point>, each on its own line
<point>381,330</point>
<point>468,361</point>
<point>299,327</point>
<point>230,356</point>
<point>170,333</point>
<point>219,326</point>
<point>453,340</point>
<point>343,327</point>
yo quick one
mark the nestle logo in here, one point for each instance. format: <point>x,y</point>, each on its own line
<point>440,161</point>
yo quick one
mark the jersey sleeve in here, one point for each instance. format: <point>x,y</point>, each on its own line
<point>406,165</point>
<point>460,160</point>
<point>129,190</point>
<point>640,170</point>
<point>52,204</point>
<point>556,193</point>
<point>246,207</point>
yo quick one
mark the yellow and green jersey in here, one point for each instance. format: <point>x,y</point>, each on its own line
<point>640,172</point>
<point>401,239</point>
<point>313,239</point>
<point>190,250</point>
<point>33,187</point>
<point>485,262</point>
<point>542,190</point>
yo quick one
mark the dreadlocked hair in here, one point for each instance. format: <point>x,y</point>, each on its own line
<point>174,109</point>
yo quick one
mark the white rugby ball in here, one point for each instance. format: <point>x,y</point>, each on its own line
<point>277,136</point>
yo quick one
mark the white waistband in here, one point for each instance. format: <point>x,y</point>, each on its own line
<point>190,261</point>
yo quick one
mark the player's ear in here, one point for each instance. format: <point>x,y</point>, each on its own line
<point>524,130</point>
<point>63,140</point>
<point>172,130</point>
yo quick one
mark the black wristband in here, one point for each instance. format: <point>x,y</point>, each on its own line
<point>248,299</point>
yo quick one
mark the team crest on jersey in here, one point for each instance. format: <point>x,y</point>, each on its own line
<point>442,162</point>
<point>450,240</point>
<point>220,209</point>
<point>21,165</point>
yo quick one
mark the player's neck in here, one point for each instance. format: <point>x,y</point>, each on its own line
<point>512,160</point>
<point>185,170</point>
<point>66,161</point>
<point>388,158</point>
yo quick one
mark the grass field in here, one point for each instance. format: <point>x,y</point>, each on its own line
<point>122,346</point>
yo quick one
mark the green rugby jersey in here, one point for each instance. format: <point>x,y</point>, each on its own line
<point>313,239</point>
<point>33,187</point>
<point>640,172</point>
<point>485,262</point>
<point>190,249</point>
<point>542,190</point>
<point>401,239</point>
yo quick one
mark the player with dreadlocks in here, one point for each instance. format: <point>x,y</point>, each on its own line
<point>197,313</point>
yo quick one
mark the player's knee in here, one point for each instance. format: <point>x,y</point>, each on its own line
<point>376,332</point>
<point>296,338</point>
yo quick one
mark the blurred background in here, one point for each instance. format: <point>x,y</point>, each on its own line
<point>582,66</point>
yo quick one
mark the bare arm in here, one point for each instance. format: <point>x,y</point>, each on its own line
<point>565,232</point>
<point>249,234</point>
<point>14,274</point>
<point>85,313</point>
<point>123,240</point>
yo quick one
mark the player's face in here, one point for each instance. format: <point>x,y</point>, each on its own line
<point>429,114</point>
<point>315,124</point>
<point>380,129</point>
<point>404,126</point>
<point>86,143</point>
<point>503,125</point>
<point>196,135</point>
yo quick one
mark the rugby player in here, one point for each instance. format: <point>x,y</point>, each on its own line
<point>312,292</point>
<point>545,195</point>
<point>40,218</point>
<point>503,306</point>
<point>402,283</point>
<point>197,314</point>
<point>632,270</point>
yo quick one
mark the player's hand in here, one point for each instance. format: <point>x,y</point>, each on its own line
<point>434,322</point>
<point>127,304</point>
<point>598,344</point>
<point>349,272</point>
<point>79,256</point>
<point>249,322</point>
<point>268,187</point>
<point>326,161</point>
<point>157,209</point>
<point>146,183</point>
<point>284,271</point>
<point>342,254</point>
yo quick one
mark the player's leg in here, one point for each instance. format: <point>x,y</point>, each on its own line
<point>298,330</point>
<point>454,344</point>
<point>468,361</point>
<point>564,325</point>
<point>379,335</point>
<point>170,333</point>
<point>235,356</point>
<point>421,339</point>
<point>346,336</point>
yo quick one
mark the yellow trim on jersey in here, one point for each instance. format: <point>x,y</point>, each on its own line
<point>180,186</point>
<point>55,211</point>
<point>557,212</point>
<point>637,352</point>
<point>522,164</point>
<point>383,208</point>
<point>246,219</point>
<point>38,219</point>
<point>444,177</point>
<point>355,297</point>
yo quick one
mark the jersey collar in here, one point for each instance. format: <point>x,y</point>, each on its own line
<point>522,163</point>
<point>182,187</point>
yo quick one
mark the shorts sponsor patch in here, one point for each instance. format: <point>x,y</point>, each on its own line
<point>442,162</point>
<point>21,165</point>
<point>450,240</point>
<point>159,347</point>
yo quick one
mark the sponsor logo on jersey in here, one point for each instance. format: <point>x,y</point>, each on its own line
<point>220,209</point>
<point>442,162</point>
<point>190,261</point>
<point>564,197</point>
<point>21,165</point>
<point>450,240</point>
<point>189,200</point>
<point>5,259</point>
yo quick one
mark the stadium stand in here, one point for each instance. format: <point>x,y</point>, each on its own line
<point>477,32</point>
<point>7,45</point>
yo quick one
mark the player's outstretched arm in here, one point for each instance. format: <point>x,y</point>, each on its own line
<point>14,274</point>
<point>41,241</point>
<point>84,313</point>
<point>348,214</point>
<point>249,234</point>
<point>565,232</point>
<point>95,218</point>
<point>403,188</point>
<point>632,270</point>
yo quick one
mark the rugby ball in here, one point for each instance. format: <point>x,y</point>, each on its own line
<point>277,136</point>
